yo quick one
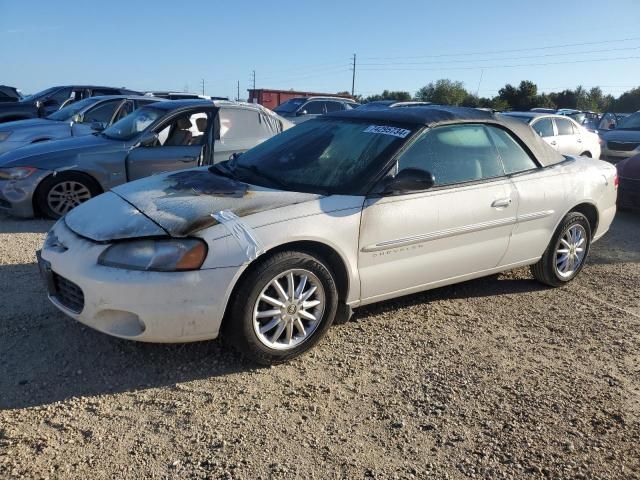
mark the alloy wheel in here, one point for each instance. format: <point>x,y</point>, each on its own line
<point>67,195</point>
<point>289,309</point>
<point>571,250</point>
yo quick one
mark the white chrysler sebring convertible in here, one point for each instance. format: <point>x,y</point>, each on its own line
<point>271,246</point>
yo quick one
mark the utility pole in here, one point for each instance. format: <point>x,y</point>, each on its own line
<point>353,78</point>
<point>238,96</point>
<point>202,86</point>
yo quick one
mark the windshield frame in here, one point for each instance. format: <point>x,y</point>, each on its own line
<point>360,184</point>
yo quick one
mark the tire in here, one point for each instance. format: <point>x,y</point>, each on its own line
<point>256,336</point>
<point>71,188</point>
<point>550,269</point>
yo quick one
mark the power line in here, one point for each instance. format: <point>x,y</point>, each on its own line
<point>478,67</point>
<point>505,58</point>
<point>490,52</point>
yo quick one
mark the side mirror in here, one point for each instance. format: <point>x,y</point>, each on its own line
<point>301,113</point>
<point>98,126</point>
<point>77,118</point>
<point>148,139</point>
<point>408,181</point>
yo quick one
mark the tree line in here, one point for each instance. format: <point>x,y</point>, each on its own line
<point>522,97</point>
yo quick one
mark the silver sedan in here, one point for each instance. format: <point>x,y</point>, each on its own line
<point>273,246</point>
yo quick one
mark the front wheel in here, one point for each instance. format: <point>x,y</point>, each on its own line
<point>58,194</point>
<point>566,253</point>
<point>282,308</point>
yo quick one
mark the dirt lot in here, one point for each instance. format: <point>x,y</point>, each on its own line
<point>495,378</point>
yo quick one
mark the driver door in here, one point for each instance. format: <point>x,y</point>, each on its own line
<point>182,142</point>
<point>460,227</point>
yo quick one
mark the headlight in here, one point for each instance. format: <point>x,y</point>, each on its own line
<point>168,255</point>
<point>4,136</point>
<point>16,173</point>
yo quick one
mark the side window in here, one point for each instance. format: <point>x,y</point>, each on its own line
<point>126,108</point>
<point>314,108</point>
<point>544,127</point>
<point>236,123</point>
<point>187,129</point>
<point>455,154</point>
<point>513,156</point>
<point>334,106</point>
<point>102,113</point>
<point>564,126</point>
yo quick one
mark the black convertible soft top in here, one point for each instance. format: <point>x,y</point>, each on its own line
<point>436,115</point>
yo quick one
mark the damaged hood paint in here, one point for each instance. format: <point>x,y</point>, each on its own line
<point>177,203</point>
<point>57,153</point>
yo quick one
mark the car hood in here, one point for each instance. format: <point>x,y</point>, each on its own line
<point>176,203</point>
<point>629,167</point>
<point>32,122</point>
<point>34,155</point>
<point>622,136</point>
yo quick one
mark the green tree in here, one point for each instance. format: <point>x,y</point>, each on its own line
<point>443,92</point>
<point>400,96</point>
<point>628,101</point>
<point>524,97</point>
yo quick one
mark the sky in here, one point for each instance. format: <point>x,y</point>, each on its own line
<point>309,45</point>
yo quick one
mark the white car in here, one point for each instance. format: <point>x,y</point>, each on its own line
<point>563,133</point>
<point>338,212</point>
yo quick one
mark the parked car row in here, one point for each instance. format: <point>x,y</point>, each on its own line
<point>46,102</point>
<point>53,177</point>
<point>79,118</point>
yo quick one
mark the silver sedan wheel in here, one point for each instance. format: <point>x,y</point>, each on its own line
<point>571,250</point>
<point>289,309</point>
<point>67,195</point>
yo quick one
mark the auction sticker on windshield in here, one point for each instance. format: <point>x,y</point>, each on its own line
<point>395,131</point>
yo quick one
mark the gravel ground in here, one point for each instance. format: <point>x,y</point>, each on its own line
<point>494,378</point>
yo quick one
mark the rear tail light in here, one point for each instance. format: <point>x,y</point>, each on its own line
<point>616,181</point>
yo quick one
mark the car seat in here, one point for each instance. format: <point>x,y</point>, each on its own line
<point>181,134</point>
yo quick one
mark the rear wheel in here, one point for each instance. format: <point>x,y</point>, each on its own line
<point>58,194</point>
<point>566,253</point>
<point>282,308</point>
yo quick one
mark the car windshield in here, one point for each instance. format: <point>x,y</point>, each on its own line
<point>326,155</point>
<point>632,122</point>
<point>134,124</point>
<point>37,96</point>
<point>289,106</point>
<point>67,113</point>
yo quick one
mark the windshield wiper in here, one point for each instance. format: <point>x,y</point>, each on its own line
<point>222,169</point>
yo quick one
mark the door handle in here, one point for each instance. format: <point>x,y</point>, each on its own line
<point>579,140</point>
<point>187,158</point>
<point>553,142</point>
<point>501,203</point>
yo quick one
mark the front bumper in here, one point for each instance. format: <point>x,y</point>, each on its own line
<point>16,196</point>
<point>162,307</point>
